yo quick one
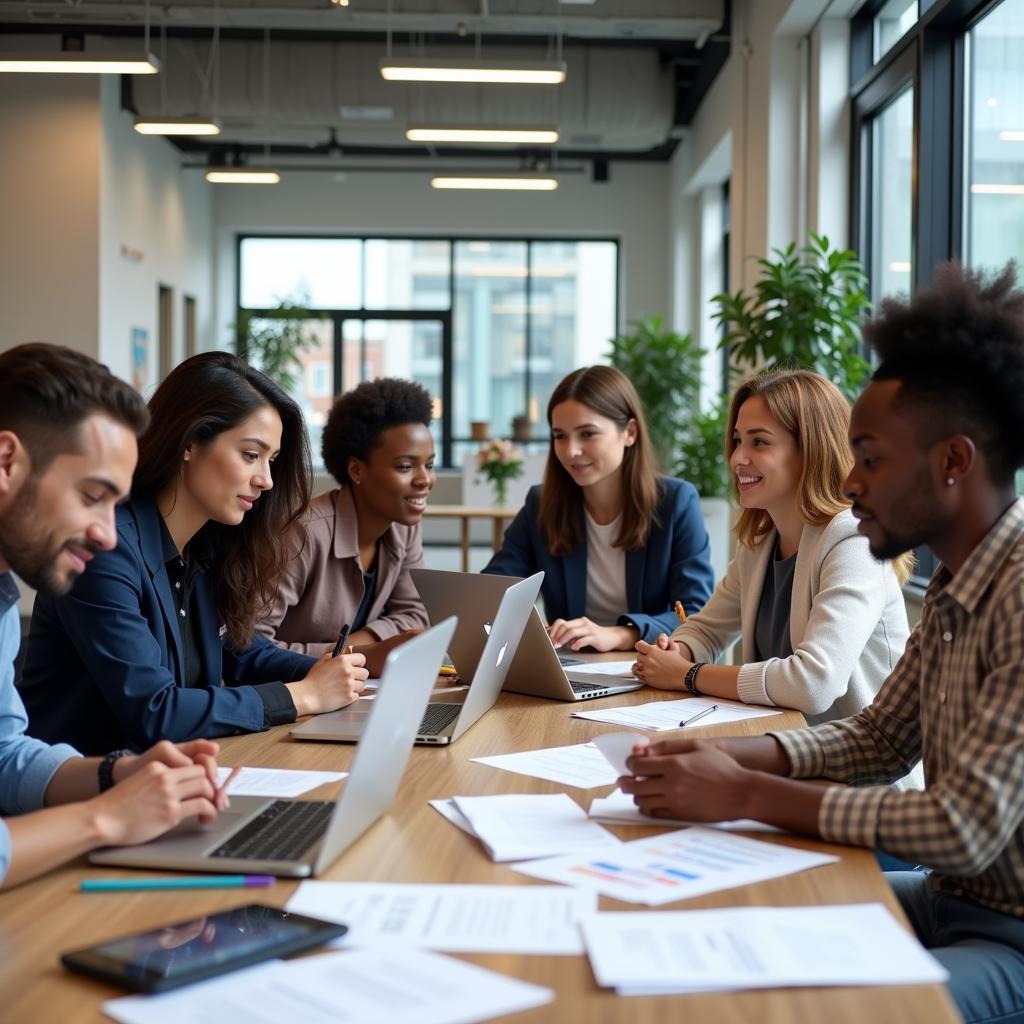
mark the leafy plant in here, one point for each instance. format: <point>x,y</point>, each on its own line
<point>701,454</point>
<point>805,311</point>
<point>664,367</point>
<point>273,341</point>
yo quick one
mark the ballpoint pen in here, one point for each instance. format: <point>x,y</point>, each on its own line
<point>342,638</point>
<point>680,612</point>
<point>700,714</point>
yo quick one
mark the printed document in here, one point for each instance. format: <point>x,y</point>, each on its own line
<point>581,765</point>
<point>755,947</point>
<point>532,919</point>
<point>280,782</point>
<point>519,827</point>
<point>675,866</point>
<point>618,807</point>
<point>660,715</point>
<point>367,986</point>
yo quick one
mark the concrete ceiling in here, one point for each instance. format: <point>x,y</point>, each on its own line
<point>637,70</point>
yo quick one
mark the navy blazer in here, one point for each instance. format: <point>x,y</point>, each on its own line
<point>674,564</point>
<point>105,662</point>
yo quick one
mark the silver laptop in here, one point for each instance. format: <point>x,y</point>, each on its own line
<point>538,669</point>
<point>495,637</point>
<point>297,838</point>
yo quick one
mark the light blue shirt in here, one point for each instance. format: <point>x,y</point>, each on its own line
<point>26,764</point>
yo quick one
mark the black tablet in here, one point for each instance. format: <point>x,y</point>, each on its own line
<point>202,947</point>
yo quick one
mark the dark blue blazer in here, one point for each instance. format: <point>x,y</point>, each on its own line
<point>674,564</point>
<point>105,662</point>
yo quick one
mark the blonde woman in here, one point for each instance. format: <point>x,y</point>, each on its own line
<point>822,621</point>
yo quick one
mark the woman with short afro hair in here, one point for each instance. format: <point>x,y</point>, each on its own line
<point>352,552</point>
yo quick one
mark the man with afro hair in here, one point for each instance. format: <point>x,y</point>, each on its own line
<point>937,437</point>
<point>352,553</point>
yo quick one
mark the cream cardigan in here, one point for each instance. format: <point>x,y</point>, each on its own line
<point>847,623</point>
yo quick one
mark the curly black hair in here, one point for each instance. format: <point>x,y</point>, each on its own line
<point>360,416</point>
<point>957,348</point>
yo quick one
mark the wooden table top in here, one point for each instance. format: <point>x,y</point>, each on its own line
<point>413,843</point>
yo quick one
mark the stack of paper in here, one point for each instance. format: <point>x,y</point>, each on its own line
<point>401,986</point>
<point>675,866</point>
<point>581,765</point>
<point>618,808</point>
<point>515,827</point>
<point>660,715</point>
<point>532,919</point>
<point>758,947</point>
<point>280,782</point>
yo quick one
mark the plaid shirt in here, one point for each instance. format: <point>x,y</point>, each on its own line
<point>955,700</point>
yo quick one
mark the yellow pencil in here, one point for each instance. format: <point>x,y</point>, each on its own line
<point>447,670</point>
<point>680,611</point>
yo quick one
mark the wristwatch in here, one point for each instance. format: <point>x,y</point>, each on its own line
<point>105,769</point>
<point>690,682</point>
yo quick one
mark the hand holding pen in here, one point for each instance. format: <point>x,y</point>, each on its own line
<point>342,640</point>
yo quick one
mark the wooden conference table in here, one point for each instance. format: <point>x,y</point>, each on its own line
<point>498,516</point>
<point>413,843</point>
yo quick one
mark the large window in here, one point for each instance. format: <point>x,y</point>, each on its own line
<point>488,326</point>
<point>994,137</point>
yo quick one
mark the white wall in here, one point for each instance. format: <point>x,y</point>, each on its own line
<point>630,207</point>
<point>49,211</point>
<point>156,227</point>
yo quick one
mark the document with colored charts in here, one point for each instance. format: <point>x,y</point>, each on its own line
<point>675,866</point>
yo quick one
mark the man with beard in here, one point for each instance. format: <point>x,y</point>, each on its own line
<point>68,431</point>
<point>937,437</point>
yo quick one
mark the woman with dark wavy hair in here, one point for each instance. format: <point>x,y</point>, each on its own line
<point>157,641</point>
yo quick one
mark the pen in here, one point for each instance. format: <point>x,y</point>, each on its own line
<point>212,882</point>
<point>342,637</point>
<point>700,714</point>
<point>680,612</point>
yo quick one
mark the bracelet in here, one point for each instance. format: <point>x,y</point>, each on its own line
<point>690,682</point>
<point>105,769</point>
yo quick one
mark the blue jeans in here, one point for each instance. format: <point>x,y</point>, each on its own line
<point>982,949</point>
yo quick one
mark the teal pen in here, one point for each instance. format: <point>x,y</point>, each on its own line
<point>213,882</point>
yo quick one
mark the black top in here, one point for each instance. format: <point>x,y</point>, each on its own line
<point>369,588</point>
<point>771,629</point>
<point>183,571</point>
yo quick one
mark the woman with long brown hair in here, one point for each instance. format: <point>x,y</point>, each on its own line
<point>822,622</point>
<point>619,543</point>
<point>157,641</point>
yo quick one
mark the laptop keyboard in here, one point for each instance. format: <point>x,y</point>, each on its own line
<point>586,687</point>
<point>285,830</point>
<point>438,718</point>
<point>568,662</point>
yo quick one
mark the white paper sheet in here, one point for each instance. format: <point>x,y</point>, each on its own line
<point>281,782</point>
<point>400,986</point>
<point>675,866</point>
<point>617,746</point>
<point>447,809</point>
<point>581,765</point>
<point>586,670</point>
<point>660,715</point>
<point>532,919</point>
<point>755,947</point>
<point>618,807</point>
<point>518,827</point>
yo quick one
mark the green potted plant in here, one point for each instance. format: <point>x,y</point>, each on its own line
<point>804,311</point>
<point>274,340</point>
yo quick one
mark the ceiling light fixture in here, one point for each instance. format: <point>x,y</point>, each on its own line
<point>437,133</point>
<point>493,182</point>
<point>177,126</point>
<point>239,175</point>
<point>1011,136</point>
<point>998,190</point>
<point>485,71</point>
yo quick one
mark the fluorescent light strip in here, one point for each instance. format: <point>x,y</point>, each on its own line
<point>176,126</point>
<point>1011,136</point>
<point>508,72</point>
<point>998,190</point>
<point>78,63</point>
<point>513,184</point>
<point>242,176</point>
<point>546,136</point>
<point>900,267</point>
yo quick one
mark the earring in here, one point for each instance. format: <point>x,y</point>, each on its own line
<point>950,481</point>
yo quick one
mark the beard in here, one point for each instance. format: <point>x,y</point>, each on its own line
<point>919,521</point>
<point>29,549</point>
